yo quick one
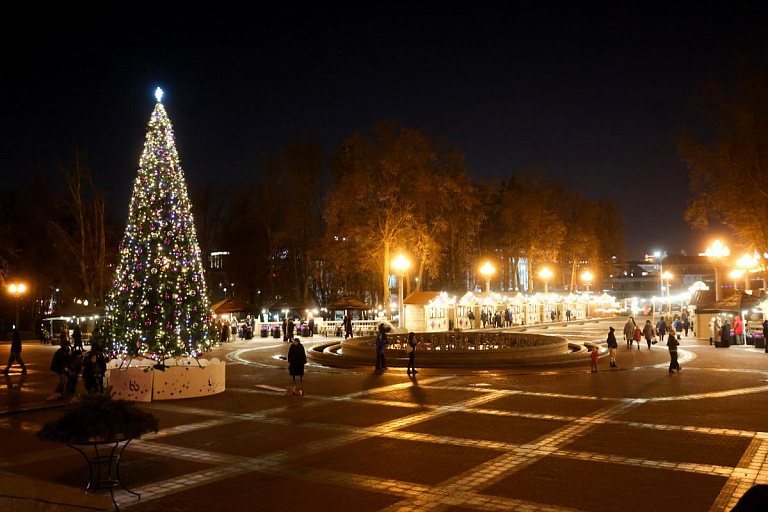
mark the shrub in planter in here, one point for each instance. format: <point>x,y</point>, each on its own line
<point>97,418</point>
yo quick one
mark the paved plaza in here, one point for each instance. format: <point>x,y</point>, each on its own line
<point>531,438</point>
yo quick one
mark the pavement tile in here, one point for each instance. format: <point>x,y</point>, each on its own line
<point>546,405</point>
<point>260,491</point>
<point>17,443</point>
<point>732,412</point>
<point>136,469</point>
<point>662,445</point>
<point>410,461</point>
<point>606,487</point>
<point>246,438</point>
<point>343,412</point>
<point>231,402</point>
<point>427,396</point>
<point>486,427</point>
<point>168,419</point>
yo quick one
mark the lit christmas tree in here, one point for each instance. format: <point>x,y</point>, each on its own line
<point>158,305</point>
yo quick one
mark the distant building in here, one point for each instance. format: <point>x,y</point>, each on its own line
<point>642,279</point>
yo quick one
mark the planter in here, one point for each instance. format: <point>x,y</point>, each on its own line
<point>264,333</point>
<point>275,332</point>
<point>103,424</point>
<point>138,380</point>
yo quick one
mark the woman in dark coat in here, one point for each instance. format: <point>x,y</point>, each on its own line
<point>297,358</point>
<point>612,346</point>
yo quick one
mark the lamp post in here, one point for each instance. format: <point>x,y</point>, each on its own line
<point>748,263</point>
<point>401,264</point>
<point>487,270</point>
<point>660,255</point>
<point>666,276</point>
<point>545,274</point>
<point>17,290</point>
<point>716,252</point>
<point>587,278</point>
<point>736,274</point>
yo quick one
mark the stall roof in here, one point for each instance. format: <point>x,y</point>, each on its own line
<point>231,305</point>
<point>734,303</point>
<point>702,298</point>
<point>348,302</point>
<point>421,298</point>
<point>290,305</point>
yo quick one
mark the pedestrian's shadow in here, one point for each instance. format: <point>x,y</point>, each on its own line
<point>417,393</point>
<point>18,384</point>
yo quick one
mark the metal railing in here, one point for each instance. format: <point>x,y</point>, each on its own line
<point>470,341</point>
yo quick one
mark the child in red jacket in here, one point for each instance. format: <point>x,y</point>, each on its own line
<point>593,357</point>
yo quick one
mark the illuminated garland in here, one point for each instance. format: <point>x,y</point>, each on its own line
<point>158,305</point>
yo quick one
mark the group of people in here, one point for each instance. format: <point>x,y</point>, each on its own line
<point>229,329</point>
<point>69,363</point>
<point>289,327</point>
<point>724,334</point>
<point>633,333</point>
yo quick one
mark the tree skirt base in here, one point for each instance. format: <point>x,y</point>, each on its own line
<point>137,379</point>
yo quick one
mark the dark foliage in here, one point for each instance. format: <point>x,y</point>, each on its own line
<point>99,418</point>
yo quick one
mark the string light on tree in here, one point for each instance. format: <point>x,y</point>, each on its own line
<point>158,305</point>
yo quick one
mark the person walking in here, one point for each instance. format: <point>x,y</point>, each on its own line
<point>381,343</point>
<point>612,346</point>
<point>224,333</point>
<point>672,344</point>
<point>297,358</point>
<point>347,327</point>
<point>677,324</point>
<point>484,317</point>
<point>15,352</point>
<point>738,331</point>
<point>291,329</point>
<point>715,331</point>
<point>648,333</point>
<point>593,358</point>
<point>410,348</point>
<point>552,315</point>
<point>61,365</point>
<point>638,337</point>
<point>64,334</point>
<point>567,315</point>
<point>725,334</point>
<point>629,331</point>
<point>661,328</point>
<point>285,328</point>
<point>311,326</point>
<point>77,338</point>
<point>686,324</point>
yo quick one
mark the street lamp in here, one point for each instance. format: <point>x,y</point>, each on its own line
<point>666,276</point>
<point>587,278</point>
<point>748,263</point>
<point>17,290</point>
<point>545,274</point>
<point>736,274</point>
<point>487,270</point>
<point>401,264</point>
<point>716,252</point>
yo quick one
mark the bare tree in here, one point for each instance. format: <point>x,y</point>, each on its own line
<point>82,232</point>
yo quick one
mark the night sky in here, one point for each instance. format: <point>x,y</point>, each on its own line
<point>594,95</point>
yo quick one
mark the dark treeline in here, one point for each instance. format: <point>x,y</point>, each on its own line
<point>311,226</point>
